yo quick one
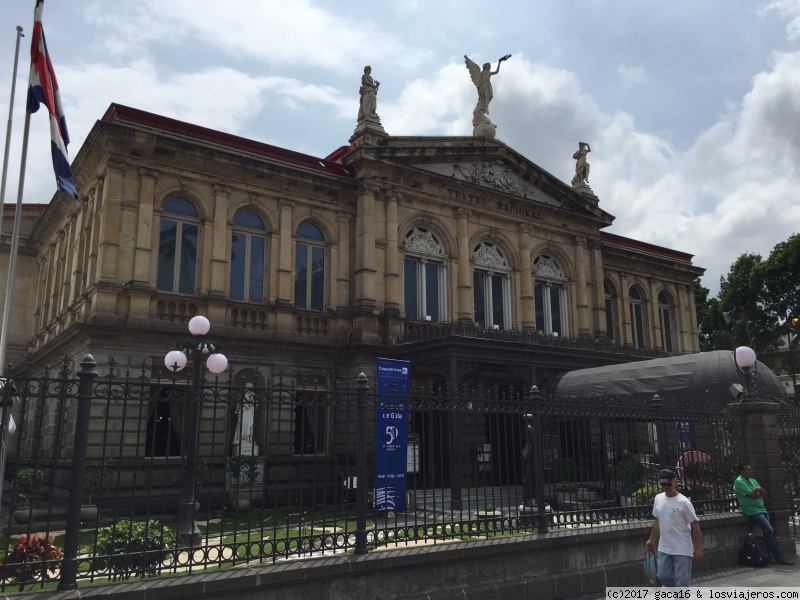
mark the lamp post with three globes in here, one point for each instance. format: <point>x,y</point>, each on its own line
<point>202,353</point>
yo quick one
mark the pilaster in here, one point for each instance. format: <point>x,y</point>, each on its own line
<point>108,247</point>
<point>579,244</point>
<point>600,328</point>
<point>343,277</point>
<point>285,252</point>
<point>465,308</point>
<point>526,278</point>
<point>144,228</point>
<point>219,236</point>
<point>392,266</point>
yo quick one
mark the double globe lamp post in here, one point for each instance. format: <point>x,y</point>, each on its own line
<point>202,353</point>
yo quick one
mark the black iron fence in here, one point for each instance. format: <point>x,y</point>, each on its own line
<point>99,484</point>
<point>789,430</point>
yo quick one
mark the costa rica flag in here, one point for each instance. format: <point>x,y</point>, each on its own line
<point>43,89</point>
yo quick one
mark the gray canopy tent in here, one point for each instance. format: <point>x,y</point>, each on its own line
<point>691,377</point>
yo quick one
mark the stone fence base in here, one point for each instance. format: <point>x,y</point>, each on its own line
<point>560,564</point>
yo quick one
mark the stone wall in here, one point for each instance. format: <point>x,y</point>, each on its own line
<point>560,564</point>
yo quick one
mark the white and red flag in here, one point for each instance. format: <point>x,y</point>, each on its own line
<point>43,89</point>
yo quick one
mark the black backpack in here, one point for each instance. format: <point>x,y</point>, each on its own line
<point>753,552</point>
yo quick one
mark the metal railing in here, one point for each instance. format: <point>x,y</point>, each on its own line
<point>288,468</point>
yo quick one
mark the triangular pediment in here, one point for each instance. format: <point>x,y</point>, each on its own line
<point>494,175</point>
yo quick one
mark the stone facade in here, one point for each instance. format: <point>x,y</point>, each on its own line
<point>455,253</point>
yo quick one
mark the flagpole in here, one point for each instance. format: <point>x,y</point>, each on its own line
<point>12,260</point>
<point>7,305</point>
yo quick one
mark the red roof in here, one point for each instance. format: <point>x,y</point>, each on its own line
<point>118,112</point>
<point>618,240</point>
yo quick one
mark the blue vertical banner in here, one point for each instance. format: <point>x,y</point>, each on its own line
<point>391,434</point>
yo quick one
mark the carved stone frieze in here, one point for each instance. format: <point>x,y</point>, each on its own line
<point>423,241</point>
<point>546,266</point>
<point>488,255</point>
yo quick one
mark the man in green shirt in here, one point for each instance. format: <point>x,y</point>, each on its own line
<point>751,500</point>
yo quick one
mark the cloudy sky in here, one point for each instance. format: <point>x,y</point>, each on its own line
<point>692,108</point>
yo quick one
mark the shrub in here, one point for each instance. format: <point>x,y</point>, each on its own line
<point>564,469</point>
<point>645,495</point>
<point>25,560</point>
<point>243,467</point>
<point>28,482</point>
<point>630,472</point>
<point>95,476</point>
<point>133,547</point>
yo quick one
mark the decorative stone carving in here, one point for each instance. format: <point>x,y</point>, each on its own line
<point>495,175</point>
<point>488,255</point>
<point>145,172</point>
<point>221,190</point>
<point>463,213</point>
<point>423,241</point>
<point>286,203</point>
<point>547,267</point>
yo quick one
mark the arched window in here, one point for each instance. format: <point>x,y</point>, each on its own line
<point>248,250</point>
<point>550,296</point>
<point>637,318</point>
<point>177,247</point>
<point>666,323</point>
<point>423,276</point>
<point>611,320</point>
<point>309,267</point>
<point>491,287</point>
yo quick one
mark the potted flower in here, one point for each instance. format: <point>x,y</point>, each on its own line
<point>27,484</point>
<point>95,477</point>
<point>243,471</point>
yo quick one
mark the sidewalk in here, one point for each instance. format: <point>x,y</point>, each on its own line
<point>743,577</point>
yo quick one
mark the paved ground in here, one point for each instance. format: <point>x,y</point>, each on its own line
<point>769,576</point>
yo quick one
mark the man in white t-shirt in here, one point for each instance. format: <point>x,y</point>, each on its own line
<point>676,528</point>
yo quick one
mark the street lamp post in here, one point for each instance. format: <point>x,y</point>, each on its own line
<point>793,325</point>
<point>744,357</point>
<point>201,351</point>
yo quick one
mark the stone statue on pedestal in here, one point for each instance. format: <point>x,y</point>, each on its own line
<point>482,80</point>
<point>581,166</point>
<point>243,443</point>
<point>369,96</point>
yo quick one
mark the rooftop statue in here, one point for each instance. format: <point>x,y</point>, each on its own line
<point>369,96</point>
<point>482,78</point>
<point>581,166</point>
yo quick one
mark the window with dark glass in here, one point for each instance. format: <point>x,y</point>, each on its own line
<point>610,320</point>
<point>310,423</point>
<point>550,296</point>
<point>309,270</point>
<point>177,247</point>
<point>423,276</point>
<point>637,318</point>
<point>491,287</point>
<point>248,249</point>
<point>666,323</point>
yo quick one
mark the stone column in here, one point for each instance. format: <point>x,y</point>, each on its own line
<point>623,310</point>
<point>219,242</point>
<point>144,228</point>
<point>465,308</point>
<point>693,344</point>
<point>285,253</point>
<point>655,318</point>
<point>365,300</point>
<point>392,266</point>
<point>681,343</point>
<point>93,230</point>
<point>580,287</point>
<point>108,247</point>
<point>79,250</point>
<point>526,278</point>
<point>595,247</point>
<point>343,277</point>
<point>761,450</point>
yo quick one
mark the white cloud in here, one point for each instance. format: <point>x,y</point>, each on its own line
<point>632,76</point>
<point>789,10</point>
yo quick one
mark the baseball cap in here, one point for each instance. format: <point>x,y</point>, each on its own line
<point>666,476</point>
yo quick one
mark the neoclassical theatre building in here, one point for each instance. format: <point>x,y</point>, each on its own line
<point>454,253</point>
